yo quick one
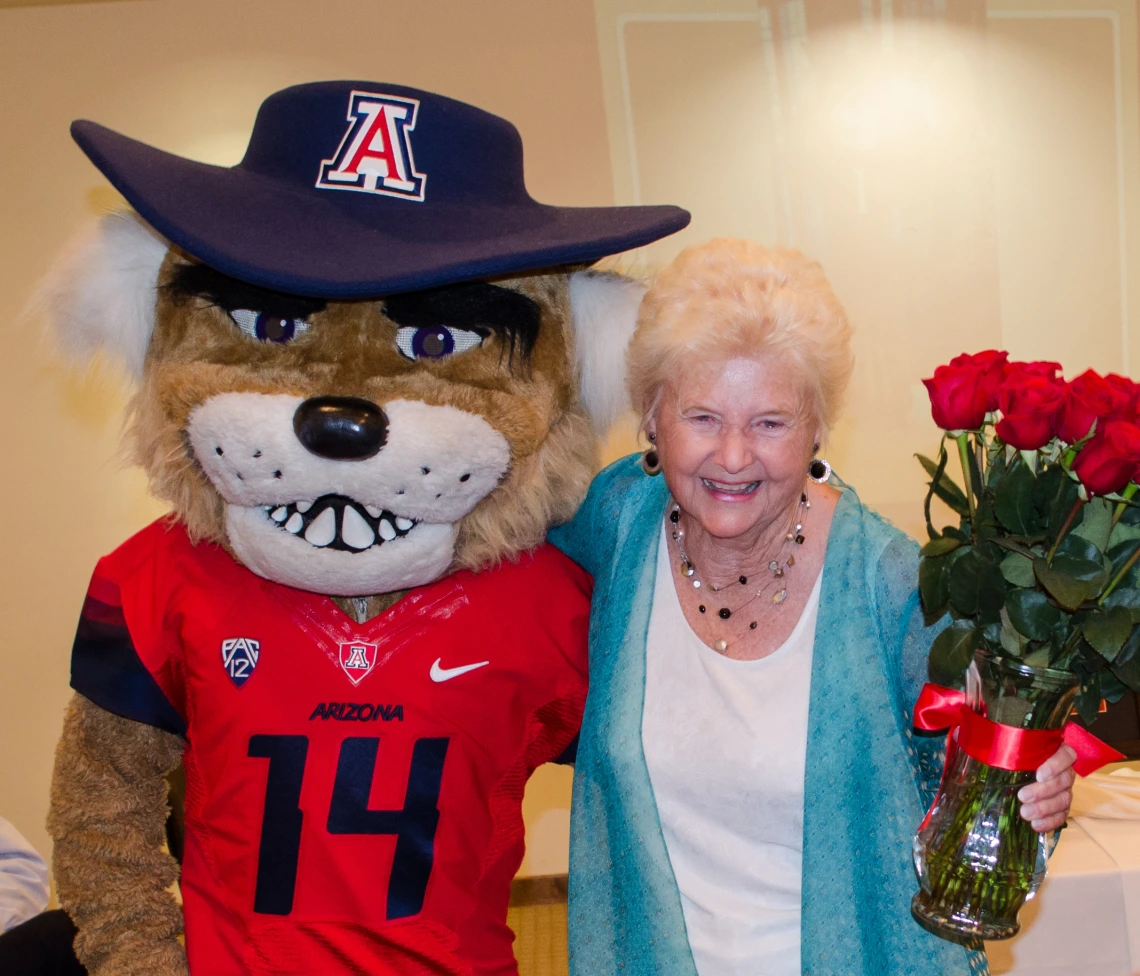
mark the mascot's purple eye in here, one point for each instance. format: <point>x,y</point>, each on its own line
<point>434,342</point>
<point>274,329</point>
<point>268,328</point>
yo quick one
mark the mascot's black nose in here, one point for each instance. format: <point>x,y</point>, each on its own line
<point>341,428</point>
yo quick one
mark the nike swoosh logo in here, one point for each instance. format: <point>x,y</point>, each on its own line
<point>446,674</point>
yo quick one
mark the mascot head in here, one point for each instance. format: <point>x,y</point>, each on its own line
<point>364,354</point>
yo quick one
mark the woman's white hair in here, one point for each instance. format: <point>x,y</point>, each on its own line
<point>734,298</point>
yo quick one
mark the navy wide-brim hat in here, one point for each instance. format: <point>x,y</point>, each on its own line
<point>362,189</point>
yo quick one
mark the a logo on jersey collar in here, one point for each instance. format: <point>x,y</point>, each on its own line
<point>357,659</point>
<point>239,657</point>
<point>375,155</point>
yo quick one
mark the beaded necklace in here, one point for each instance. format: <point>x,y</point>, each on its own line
<point>778,567</point>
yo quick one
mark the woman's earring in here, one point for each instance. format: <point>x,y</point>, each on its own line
<point>819,470</point>
<point>650,462</point>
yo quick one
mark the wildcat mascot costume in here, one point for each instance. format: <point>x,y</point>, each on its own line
<point>370,372</point>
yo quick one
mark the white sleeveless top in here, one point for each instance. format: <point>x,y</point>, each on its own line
<point>725,743</point>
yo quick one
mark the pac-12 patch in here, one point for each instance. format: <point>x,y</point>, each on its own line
<point>357,658</point>
<point>239,656</point>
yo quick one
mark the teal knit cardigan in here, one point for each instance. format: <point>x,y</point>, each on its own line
<point>867,782</point>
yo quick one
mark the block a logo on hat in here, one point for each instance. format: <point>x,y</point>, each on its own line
<point>375,155</point>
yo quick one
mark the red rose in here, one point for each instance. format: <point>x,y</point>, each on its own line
<point>1039,367</point>
<point>957,396</point>
<point>992,365</point>
<point>1087,398</point>
<point>1131,393</point>
<point>1030,402</point>
<point>1106,463</point>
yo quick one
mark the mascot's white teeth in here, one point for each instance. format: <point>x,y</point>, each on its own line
<point>339,522</point>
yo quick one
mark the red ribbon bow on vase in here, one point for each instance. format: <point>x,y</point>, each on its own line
<point>1004,746</point>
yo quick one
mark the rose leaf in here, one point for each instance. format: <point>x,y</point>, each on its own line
<point>951,653</point>
<point>1071,580</point>
<point>1031,613</point>
<point>1013,501</point>
<point>1018,569</point>
<point>1107,630</point>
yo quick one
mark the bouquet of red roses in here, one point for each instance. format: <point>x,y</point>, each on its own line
<point>1039,580</point>
<point>1041,567</point>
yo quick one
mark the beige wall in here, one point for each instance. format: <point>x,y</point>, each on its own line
<point>968,173</point>
<point>188,77</point>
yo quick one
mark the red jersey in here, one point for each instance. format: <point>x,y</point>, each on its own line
<point>353,792</point>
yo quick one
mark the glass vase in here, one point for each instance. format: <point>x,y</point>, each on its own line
<point>976,859</point>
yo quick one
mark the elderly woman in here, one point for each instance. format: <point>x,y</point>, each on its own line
<point>747,785</point>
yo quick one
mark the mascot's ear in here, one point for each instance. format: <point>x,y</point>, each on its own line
<point>100,294</point>
<point>604,307</point>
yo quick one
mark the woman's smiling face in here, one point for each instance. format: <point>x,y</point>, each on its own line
<point>735,440</point>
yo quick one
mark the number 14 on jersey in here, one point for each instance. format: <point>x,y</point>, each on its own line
<point>414,824</point>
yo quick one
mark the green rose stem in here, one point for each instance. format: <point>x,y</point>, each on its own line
<point>1064,530</point>
<point>1065,658</point>
<point>963,440</point>
<point>1121,506</point>
<point>1119,576</point>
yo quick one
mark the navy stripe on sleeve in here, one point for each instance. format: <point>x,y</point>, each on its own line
<point>569,754</point>
<point>106,669</point>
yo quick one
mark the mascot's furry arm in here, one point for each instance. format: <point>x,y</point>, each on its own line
<point>109,794</point>
<point>108,813</point>
<point>109,791</point>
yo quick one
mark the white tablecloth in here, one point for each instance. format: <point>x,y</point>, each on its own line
<point>1085,920</point>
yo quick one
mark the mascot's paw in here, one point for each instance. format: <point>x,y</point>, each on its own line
<point>108,818</point>
<point>134,958</point>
